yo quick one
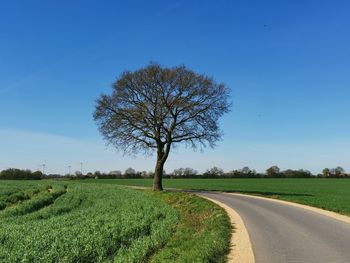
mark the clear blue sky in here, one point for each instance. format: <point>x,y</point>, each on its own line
<point>287,63</point>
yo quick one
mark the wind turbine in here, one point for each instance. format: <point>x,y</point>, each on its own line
<point>43,165</point>
<point>81,168</point>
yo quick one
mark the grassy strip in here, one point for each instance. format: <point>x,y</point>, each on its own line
<point>202,234</point>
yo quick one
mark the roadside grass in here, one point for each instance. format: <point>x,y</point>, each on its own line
<point>329,194</point>
<point>203,233</point>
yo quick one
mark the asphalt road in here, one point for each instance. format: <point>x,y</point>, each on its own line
<point>282,233</point>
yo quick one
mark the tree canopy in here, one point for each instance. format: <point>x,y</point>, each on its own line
<point>156,107</point>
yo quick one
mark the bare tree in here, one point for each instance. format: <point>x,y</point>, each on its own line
<point>326,172</point>
<point>156,107</point>
<point>116,173</point>
<point>214,172</point>
<point>184,172</point>
<point>246,170</point>
<point>273,171</point>
<point>130,172</point>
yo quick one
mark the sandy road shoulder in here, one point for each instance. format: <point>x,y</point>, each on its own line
<point>240,246</point>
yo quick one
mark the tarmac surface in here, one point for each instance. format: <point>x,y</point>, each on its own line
<point>283,233</point>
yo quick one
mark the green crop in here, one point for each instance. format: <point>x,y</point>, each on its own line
<point>80,223</point>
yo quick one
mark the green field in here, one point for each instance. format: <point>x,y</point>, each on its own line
<point>49,221</point>
<point>330,194</point>
<point>102,221</point>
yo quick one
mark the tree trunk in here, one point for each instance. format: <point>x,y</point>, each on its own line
<point>162,156</point>
<point>158,175</point>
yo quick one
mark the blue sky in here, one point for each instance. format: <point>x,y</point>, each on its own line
<point>286,62</point>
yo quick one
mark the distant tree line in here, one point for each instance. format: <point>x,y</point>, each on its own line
<point>246,172</point>
<point>214,172</point>
<point>17,174</point>
<point>334,172</point>
<point>116,174</point>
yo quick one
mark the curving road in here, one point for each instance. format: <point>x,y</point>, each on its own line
<point>282,233</point>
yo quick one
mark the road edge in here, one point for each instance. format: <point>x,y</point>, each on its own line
<point>241,250</point>
<point>334,215</point>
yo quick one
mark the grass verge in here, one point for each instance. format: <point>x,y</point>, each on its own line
<point>202,234</point>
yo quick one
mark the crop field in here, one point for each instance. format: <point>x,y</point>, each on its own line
<point>83,224</point>
<point>329,194</point>
<point>50,221</point>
